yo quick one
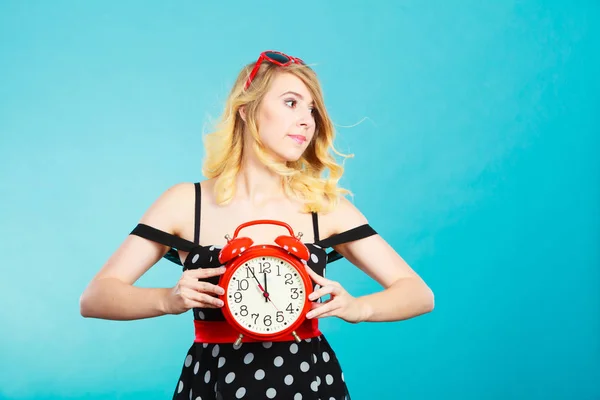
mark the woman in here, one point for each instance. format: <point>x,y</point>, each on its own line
<point>266,161</point>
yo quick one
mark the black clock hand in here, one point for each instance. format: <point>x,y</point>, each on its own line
<point>266,290</point>
<point>261,288</point>
<point>256,279</point>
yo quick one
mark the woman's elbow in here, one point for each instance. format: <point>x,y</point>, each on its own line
<point>84,305</point>
<point>429,301</point>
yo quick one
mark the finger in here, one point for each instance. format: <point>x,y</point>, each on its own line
<point>329,289</point>
<point>321,304</point>
<point>203,287</point>
<point>207,300</point>
<point>316,277</point>
<point>201,273</point>
<point>328,314</point>
<point>325,308</point>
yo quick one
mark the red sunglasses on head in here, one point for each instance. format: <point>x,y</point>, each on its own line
<point>275,57</point>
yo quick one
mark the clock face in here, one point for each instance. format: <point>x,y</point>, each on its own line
<point>249,305</point>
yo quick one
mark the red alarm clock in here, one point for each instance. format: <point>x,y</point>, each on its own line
<point>266,287</point>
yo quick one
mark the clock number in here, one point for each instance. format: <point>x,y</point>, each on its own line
<point>290,308</point>
<point>295,293</point>
<point>265,268</point>
<point>244,310</point>
<point>267,320</point>
<point>255,316</point>
<point>243,284</point>
<point>278,271</point>
<point>279,317</point>
<point>237,296</point>
<point>288,279</point>
<point>248,273</point>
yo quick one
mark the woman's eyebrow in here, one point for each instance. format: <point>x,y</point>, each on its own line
<point>295,94</point>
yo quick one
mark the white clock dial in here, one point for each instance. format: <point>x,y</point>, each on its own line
<point>251,308</point>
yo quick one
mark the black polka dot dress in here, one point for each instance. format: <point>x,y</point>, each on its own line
<point>256,370</point>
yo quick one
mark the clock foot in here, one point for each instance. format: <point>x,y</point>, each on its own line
<point>295,335</point>
<point>239,340</point>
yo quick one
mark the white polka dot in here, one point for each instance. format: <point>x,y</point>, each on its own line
<point>329,379</point>
<point>233,251</point>
<point>278,361</point>
<point>314,386</point>
<point>180,388</point>
<point>325,356</point>
<point>343,377</point>
<point>293,348</point>
<point>242,249</point>
<point>288,380</point>
<point>221,361</point>
<point>237,346</point>
<point>271,393</point>
<point>198,398</point>
<point>248,359</point>
<point>332,398</point>
<point>230,377</point>
<point>308,340</point>
<point>205,345</point>
<point>295,250</point>
<point>210,260</point>
<point>267,345</point>
<point>304,366</point>
<point>215,351</point>
<point>191,394</point>
<point>297,396</point>
<point>196,367</point>
<point>314,359</point>
<point>195,258</point>
<point>318,381</point>
<point>317,246</point>
<point>201,315</point>
<point>305,263</point>
<point>188,360</point>
<point>207,377</point>
<point>259,375</point>
<point>314,258</point>
<point>285,247</point>
<point>211,248</point>
<point>240,392</point>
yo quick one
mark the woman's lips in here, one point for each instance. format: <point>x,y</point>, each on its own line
<point>298,139</point>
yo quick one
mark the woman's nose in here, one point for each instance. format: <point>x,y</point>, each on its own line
<point>305,118</point>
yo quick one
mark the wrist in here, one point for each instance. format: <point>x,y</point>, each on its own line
<point>365,309</point>
<point>162,301</point>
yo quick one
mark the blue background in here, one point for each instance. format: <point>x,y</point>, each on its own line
<point>476,158</point>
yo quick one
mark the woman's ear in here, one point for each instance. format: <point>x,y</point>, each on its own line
<point>242,112</point>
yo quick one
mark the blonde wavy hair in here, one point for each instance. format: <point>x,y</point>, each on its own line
<point>302,180</point>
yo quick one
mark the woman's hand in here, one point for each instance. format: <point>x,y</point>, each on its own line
<point>190,293</point>
<point>341,304</point>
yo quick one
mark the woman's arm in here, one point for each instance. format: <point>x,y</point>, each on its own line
<point>404,295</point>
<point>111,294</point>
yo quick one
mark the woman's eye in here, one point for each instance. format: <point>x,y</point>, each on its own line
<point>290,103</point>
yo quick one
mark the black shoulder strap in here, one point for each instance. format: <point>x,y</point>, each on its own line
<point>315,220</point>
<point>357,233</point>
<point>156,235</point>
<point>197,215</point>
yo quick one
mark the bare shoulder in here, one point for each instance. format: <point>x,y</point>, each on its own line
<point>136,255</point>
<point>345,216</point>
<point>171,209</point>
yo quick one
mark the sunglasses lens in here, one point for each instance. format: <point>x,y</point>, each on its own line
<point>277,57</point>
